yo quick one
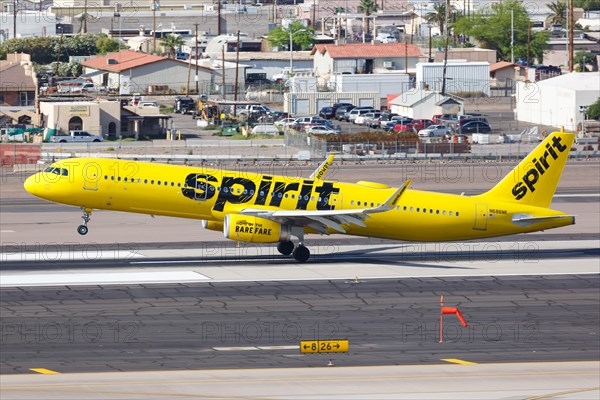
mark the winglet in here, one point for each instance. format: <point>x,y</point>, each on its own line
<point>392,201</point>
<point>320,171</point>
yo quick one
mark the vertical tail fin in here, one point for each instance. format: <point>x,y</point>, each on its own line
<point>534,180</point>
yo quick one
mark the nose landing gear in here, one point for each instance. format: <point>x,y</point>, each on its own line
<point>87,214</point>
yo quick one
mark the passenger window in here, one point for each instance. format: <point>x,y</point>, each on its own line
<point>262,193</point>
<point>352,203</point>
<point>411,209</point>
<point>158,182</point>
<point>119,178</point>
<point>279,195</point>
<point>418,209</point>
<point>145,181</point>
<point>430,211</point>
<point>152,182</point>
<point>178,184</point>
<point>172,183</point>
<point>457,213</point>
<point>404,208</point>
<point>444,212</point>
<point>166,183</point>
<point>105,177</point>
<point>125,179</point>
<point>286,195</point>
<point>437,211</point>
<point>450,213</point>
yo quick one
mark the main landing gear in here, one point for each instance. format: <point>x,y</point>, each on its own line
<point>300,252</point>
<point>87,214</point>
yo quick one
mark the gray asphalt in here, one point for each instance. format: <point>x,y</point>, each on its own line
<point>388,322</point>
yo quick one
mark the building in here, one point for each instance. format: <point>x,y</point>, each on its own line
<point>18,89</point>
<point>136,72</point>
<point>99,117</point>
<point>27,22</point>
<point>364,58</point>
<point>462,78</point>
<point>419,103</point>
<point>557,101</point>
<point>471,54</point>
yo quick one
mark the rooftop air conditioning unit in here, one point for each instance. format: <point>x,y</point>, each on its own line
<point>111,61</point>
<point>388,64</point>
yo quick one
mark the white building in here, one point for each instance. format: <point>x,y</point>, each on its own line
<point>461,77</point>
<point>383,83</point>
<point>418,103</point>
<point>556,101</point>
<point>29,23</point>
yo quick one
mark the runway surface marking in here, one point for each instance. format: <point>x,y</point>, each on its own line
<point>550,395</point>
<point>457,361</point>
<point>44,371</point>
<point>7,231</point>
<point>100,278</point>
<point>250,348</point>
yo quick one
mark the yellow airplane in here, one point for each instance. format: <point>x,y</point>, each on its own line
<point>253,207</point>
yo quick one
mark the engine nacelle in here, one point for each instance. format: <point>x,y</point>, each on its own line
<point>212,225</point>
<point>247,228</point>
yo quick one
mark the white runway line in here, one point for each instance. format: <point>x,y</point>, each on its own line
<point>7,231</point>
<point>101,278</point>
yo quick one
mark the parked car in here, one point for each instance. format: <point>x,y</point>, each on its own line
<point>184,105</point>
<point>474,127</point>
<point>284,122</point>
<point>397,120</point>
<point>363,119</point>
<point>265,129</point>
<point>77,136</point>
<point>420,123</point>
<point>335,106</point>
<point>327,112</point>
<point>403,127</point>
<point>437,118</point>
<point>434,130</point>
<point>385,118</point>
<point>355,112</point>
<point>470,118</point>
<point>321,129</point>
<point>341,111</point>
<point>372,119</point>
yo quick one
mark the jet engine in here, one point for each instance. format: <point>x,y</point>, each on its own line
<point>247,228</point>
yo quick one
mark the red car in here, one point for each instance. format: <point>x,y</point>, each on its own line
<point>404,127</point>
<point>437,119</point>
<point>419,124</point>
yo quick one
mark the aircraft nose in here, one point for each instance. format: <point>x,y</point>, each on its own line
<point>32,185</point>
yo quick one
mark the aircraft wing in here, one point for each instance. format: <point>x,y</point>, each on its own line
<point>321,220</point>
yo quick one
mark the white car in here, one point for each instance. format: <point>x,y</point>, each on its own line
<point>265,129</point>
<point>321,129</point>
<point>284,122</point>
<point>434,130</point>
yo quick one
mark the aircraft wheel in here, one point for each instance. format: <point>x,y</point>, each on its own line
<point>301,253</point>
<point>286,248</point>
<point>82,229</point>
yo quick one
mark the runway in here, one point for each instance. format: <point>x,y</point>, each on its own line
<point>159,308</point>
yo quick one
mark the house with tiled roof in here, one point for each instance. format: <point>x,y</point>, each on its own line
<point>364,58</point>
<point>137,72</point>
<point>18,88</point>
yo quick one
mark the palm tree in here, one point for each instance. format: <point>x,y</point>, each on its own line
<point>559,12</point>
<point>172,42</point>
<point>437,16</point>
<point>367,7</point>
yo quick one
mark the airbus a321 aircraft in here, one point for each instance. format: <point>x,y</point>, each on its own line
<point>258,208</point>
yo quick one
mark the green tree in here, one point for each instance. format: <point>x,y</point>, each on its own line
<point>492,30</point>
<point>559,12</point>
<point>587,5</point>
<point>367,7</point>
<point>584,57</point>
<point>106,44</point>
<point>437,16</point>
<point>302,37</point>
<point>593,111</point>
<point>171,43</point>
<point>72,68</point>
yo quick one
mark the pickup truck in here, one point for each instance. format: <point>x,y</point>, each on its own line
<point>76,137</point>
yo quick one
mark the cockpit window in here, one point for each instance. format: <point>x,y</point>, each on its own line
<point>57,171</point>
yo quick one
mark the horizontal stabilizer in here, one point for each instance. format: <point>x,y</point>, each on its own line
<point>526,220</point>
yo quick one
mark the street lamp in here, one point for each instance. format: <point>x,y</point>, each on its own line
<point>291,46</point>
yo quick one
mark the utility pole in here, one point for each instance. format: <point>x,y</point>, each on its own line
<point>571,21</point>
<point>446,49</point>
<point>154,5</point>
<point>223,70</point>
<point>237,68</point>
<point>197,77</point>
<point>219,18</point>
<point>429,59</point>
<point>15,5</point>
<point>512,36</point>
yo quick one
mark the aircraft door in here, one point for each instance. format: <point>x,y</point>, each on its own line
<point>201,185</point>
<point>91,175</point>
<point>481,217</point>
